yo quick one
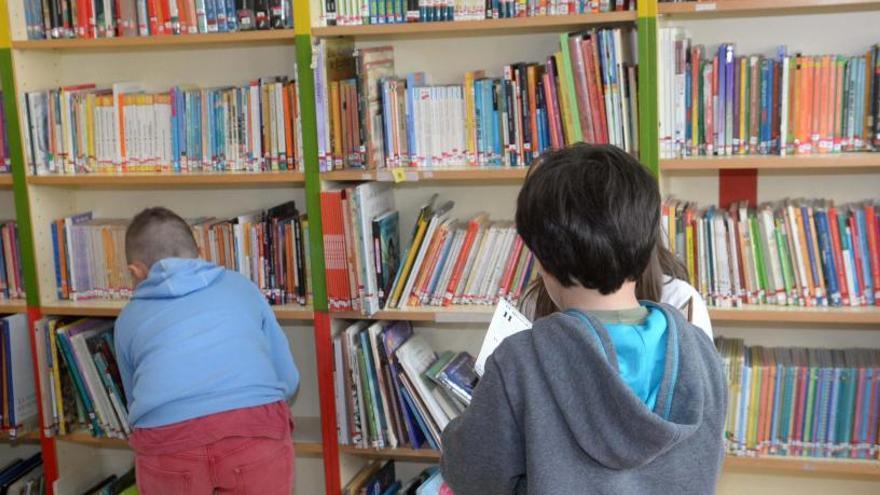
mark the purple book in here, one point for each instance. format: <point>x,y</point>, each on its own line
<point>728,98</point>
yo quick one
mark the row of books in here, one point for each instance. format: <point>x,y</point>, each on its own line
<point>393,390</point>
<point>447,262</point>
<point>792,252</point>
<point>380,478</point>
<point>85,129</point>
<point>268,247</point>
<point>802,402</point>
<point>720,103</point>
<point>76,360</point>
<point>23,476</point>
<point>128,18</point>
<point>18,398</point>
<point>369,118</point>
<point>11,278</point>
<point>5,160</point>
<point>360,12</point>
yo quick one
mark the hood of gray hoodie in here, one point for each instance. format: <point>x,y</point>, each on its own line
<point>606,419</point>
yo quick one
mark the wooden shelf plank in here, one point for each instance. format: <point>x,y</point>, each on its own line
<point>763,7</point>
<point>9,306</point>
<point>5,181</point>
<point>26,437</point>
<point>860,316</point>
<point>451,314</point>
<point>307,438</point>
<point>109,309</point>
<point>466,174</point>
<point>769,464</point>
<point>133,180</point>
<point>236,38</point>
<point>488,27</point>
<point>830,162</point>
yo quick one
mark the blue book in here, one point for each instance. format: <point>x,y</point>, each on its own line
<point>385,96</point>
<point>393,489</point>
<point>496,123</point>
<point>777,397</point>
<point>848,253</point>
<point>832,432</point>
<point>211,15</point>
<point>56,251</point>
<point>823,232</point>
<point>862,246</point>
<point>814,263</point>
<point>175,141</point>
<point>413,410</point>
<point>435,277</point>
<point>66,352</point>
<point>413,80</point>
<point>231,16</point>
<point>373,387</point>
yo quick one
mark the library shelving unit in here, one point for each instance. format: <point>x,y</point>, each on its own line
<point>75,461</point>
<point>446,50</point>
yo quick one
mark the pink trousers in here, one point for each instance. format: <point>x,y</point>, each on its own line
<point>238,465</point>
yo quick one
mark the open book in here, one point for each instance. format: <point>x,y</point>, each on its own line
<point>505,322</point>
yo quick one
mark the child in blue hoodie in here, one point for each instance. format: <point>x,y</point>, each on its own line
<point>206,368</point>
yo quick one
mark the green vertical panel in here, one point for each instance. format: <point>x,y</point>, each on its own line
<point>649,139</point>
<point>310,159</point>
<point>22,209</point>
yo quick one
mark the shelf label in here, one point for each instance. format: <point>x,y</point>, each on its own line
<point>704,7</point>
<point>399,175</point>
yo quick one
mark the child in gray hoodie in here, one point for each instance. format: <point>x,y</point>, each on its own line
<point>611,395</point>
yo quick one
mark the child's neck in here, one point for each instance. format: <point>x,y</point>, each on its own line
<point>592,300</point>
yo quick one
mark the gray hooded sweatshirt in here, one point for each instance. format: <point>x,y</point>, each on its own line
<point>551,415</point>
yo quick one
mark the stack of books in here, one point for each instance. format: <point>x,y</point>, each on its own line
<point>268,247</point>
<point>23,476</point>
<point>370,118</point>
<point>715,102</point>
<point>127,18</point>
<point>83,389</point>
<point>362,12</point>
<point>11,278</point>
<point>378,478</point>
<point>18,396</point>
<point>447,262</point>
<point>801,402</point>
<point>792,252</point>
<point>393,390</point>
<point>84,129</point>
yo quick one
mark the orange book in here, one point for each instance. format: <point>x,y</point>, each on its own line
<point>806,102</point>
<point>800,228</point>
<point>428,263</point>
<point>532,76</point>
<point>816,114</point>
<point>510,269</point>
<point>288,130</point>
<point>598,87</point>
<point>335,124</point>
<point>473,229</point>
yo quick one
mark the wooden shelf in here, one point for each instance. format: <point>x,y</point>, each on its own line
<point>109,309</point>
<point>5,181</point>
<point>401,454</point>
<point>307,438</point>
<point>489,27</point>
<point>803,466</point>
<point>236,38</point>
<point>768,464</point>
<point>763,7</point>
<point>860,316</point>
<point>472,174</point>
<point>27,437</point>
<point>451,314</point>
<point>194,179</point>
<point>9,306</point>
<point>866,161</point>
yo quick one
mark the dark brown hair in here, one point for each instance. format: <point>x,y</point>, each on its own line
<point>158,233</point>
<point>536,302</point>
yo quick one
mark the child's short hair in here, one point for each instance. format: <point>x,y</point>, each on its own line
<point>590,214</point>
<point>158,233</point>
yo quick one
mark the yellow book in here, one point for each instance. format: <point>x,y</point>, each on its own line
<point>410,259</point>
<point>56,378</point>
<point>564,104</point>
<point>470,127</point>
<point>266,132</point>
<point>691,262</point>
<point>336,122</point>
<point>90,134</point>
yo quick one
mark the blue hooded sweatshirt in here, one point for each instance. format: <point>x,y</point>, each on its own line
<point>197,339</point>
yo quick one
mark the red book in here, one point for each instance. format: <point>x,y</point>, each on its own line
<point>153,16</point>
<point>334,250</point>
<point>551,112</point>
<point>473,229</point>
<point>597,90</point>
<point>524,277</point>
<point>428,263</point>
<point>838,255</point>
<point>873,249</point>
<point>510,270</point>
<point>532,76</point>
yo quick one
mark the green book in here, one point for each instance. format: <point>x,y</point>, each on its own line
<point>574,121</point>
<point>372,420</point>
<point>809,405</point>
<point>784,258</point>
<point>755,239</point>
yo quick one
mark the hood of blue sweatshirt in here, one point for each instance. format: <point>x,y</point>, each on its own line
<point>175,277</point>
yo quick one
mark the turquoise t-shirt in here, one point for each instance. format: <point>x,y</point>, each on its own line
<point>639,337</point>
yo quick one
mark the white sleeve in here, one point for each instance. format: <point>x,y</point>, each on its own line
<point>677,293</point>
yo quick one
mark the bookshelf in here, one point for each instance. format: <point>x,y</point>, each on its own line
<point>5,181</point>
<point>277,36</point>
<point>12,306</point>
<point>751,8</point>
<point>182,180</point>
<point>830,164</point>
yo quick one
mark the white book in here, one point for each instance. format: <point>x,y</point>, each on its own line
<point>23,408</point>
<point>481,262</point>
<point>374,332</point>
<point>451,260</point>
<point>472,255</point>
<point>506,321</point>
<point>358,389</point>
<point>374,199</point>
<point>119,90</point>
<point>86,364</point>
<point>415,357</point>
<point>783,111</point>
